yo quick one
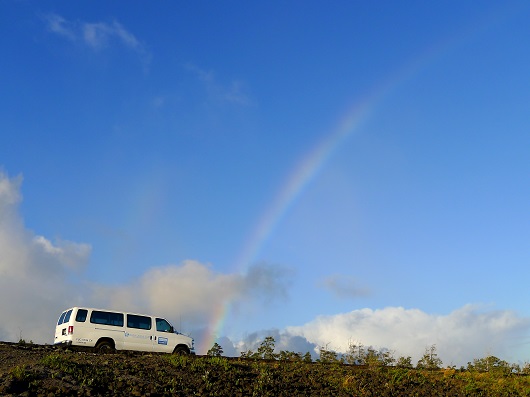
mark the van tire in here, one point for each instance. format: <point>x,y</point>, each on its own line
<point>105,347</point>
<point>181,351</point>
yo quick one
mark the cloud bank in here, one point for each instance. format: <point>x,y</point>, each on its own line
<point>460,336</point>
<point>192,290</point>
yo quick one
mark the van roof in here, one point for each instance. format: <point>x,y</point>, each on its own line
<point>113,310</point>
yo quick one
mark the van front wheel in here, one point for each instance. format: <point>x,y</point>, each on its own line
<point>180,351</point>
<point>104,347</point>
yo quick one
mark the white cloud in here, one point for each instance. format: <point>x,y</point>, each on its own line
<point>33,272</point>
<point>59,25</point>
<point>192,290</point>
<point>9,194</point>
<point>67,253</point>
<point>460,336</point>
<point>96,35</point>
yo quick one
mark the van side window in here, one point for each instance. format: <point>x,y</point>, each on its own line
<point>141,322</point>
<point>162,325</point>
<point>81,315</point>
<point>107,318</point>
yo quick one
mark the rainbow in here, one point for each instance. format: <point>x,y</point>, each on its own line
<point>305,171</point>
<point>310,165</point>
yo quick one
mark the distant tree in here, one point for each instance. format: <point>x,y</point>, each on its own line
<point>430,359</point>
<point>248,354</point>
<point>266,349</point>
<point>404,362</point>
<point>386,357</point>
<point>328,356</point>
<point>215,351</point>
<point>289,356</point>
<point>490,364</point>
<point>307,358</point>
<point>372,357</point>
<point>378,358</point>
<point>356,354</point>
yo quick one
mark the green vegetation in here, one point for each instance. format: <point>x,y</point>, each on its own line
<point>492,364</point>
<point>266,352</point>
<point>363,371</point>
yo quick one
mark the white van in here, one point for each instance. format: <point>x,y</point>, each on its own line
<point>109,330</point>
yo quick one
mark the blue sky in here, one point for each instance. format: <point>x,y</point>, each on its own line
<point>309,169</point>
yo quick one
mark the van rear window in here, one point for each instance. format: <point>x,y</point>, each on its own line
<point>81,315</point>
<point>65,317</point>
<point>107,318</point>
<point>61,319</point>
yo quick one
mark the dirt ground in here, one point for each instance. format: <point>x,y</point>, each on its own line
<point>40,370</point>
<point>36,370</point>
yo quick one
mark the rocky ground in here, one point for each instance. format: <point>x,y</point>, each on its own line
<point>34,370</point>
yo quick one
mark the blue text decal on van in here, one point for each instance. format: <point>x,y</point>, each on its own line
<point>162,341</point>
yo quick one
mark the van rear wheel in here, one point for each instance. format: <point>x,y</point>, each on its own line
<point>105,347</point>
